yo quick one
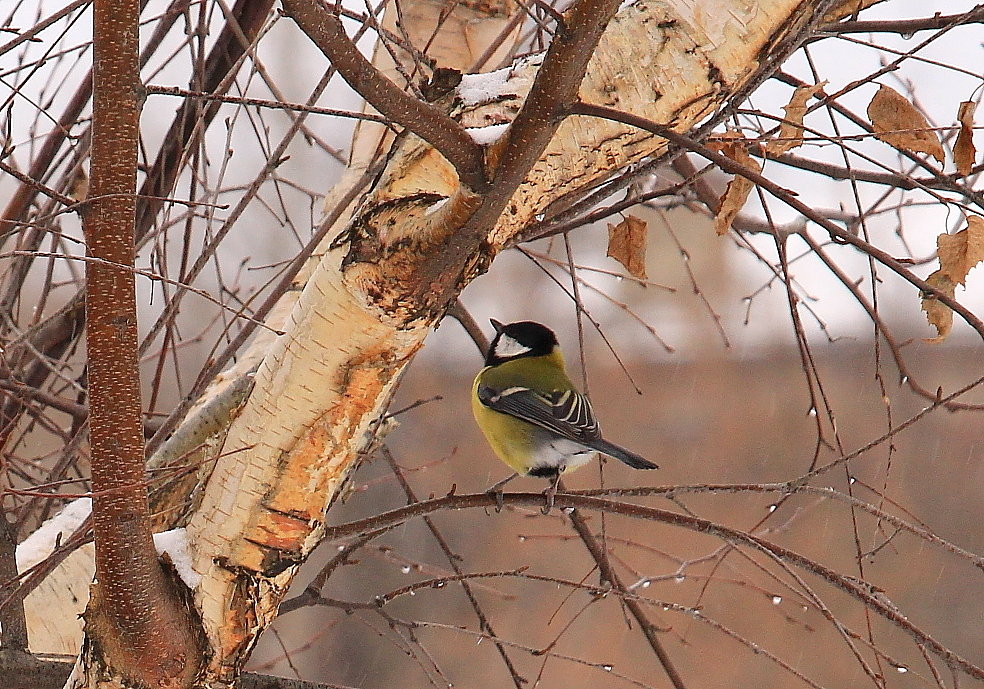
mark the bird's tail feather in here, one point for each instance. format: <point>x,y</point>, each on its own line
<point>621,454</point>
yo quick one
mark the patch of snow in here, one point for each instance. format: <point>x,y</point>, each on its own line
<point>39,545</point>
<point>175,543</point>
<point>484,136</point>
<point>482,87</point>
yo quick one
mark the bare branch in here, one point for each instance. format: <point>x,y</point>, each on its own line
<point>423,119</point>
<point>785,196</point>
<point>849,585</point>
<point>907,27</point>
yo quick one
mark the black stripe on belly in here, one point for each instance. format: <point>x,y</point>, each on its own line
<point>544,471</point>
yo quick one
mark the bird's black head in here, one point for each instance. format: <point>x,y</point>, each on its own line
<point>516,340</point>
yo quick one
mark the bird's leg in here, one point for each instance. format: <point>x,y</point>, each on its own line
<point>550,493</point>
<point>496,490</point>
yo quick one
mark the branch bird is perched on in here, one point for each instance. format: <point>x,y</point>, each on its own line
<point>530,412</point>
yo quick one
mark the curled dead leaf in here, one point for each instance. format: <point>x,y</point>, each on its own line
<point>961,251</point>
<point>958,254</point>
<point>791,131</point>
<point>964,151</point>
<point>627,244</point>
<point>79,188</point>
<point>939,315</point>
<point>898,123</point>
<point>735,146</point>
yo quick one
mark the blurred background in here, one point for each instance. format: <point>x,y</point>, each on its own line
<point>708,414</point>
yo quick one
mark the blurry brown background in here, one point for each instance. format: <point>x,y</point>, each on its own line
<point>708,415</point>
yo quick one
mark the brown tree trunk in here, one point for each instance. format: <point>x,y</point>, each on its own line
<point>136,626</point>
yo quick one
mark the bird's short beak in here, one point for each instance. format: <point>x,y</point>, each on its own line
<point>497,325</point>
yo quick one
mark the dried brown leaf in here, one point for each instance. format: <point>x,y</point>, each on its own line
<point>791,131</point>
<point>79,189</point>
<point>897,122</point>
<point>735,147</point>
<point>627,245</point>
<point>964,151</point>
<point>961,251</point>
<point>939,315</point>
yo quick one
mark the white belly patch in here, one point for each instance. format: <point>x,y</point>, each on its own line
<point>562,454</point>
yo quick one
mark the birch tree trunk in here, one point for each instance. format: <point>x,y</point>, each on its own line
<point>388,273</point>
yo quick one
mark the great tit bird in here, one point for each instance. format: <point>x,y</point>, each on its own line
<point>529,410</point>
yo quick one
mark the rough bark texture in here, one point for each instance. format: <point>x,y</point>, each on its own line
<point>137,631</point>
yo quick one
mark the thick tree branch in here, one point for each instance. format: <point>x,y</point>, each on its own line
<point>136,624</point>
<point>426,121</point>
<point>512,158</point>
<point>555,89</point>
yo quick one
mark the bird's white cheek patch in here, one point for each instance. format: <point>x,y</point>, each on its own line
<point>507,347</point>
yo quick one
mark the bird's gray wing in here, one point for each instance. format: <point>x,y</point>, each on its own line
<point>567,413</point>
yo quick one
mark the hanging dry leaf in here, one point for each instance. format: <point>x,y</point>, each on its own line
<point>964,151</point>
<point>735,147</point>
<point>627,245</point>
<point>961,251</point>
<point>734,200</point>
<point>939,315</point>
<point>897,122</point>
<point>80,185</point>
<point>791,131</point>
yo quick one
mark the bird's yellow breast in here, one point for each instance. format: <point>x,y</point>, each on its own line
<point>511,439</point>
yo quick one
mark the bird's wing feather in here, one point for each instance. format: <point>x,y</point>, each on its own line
<point>567,413</point>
